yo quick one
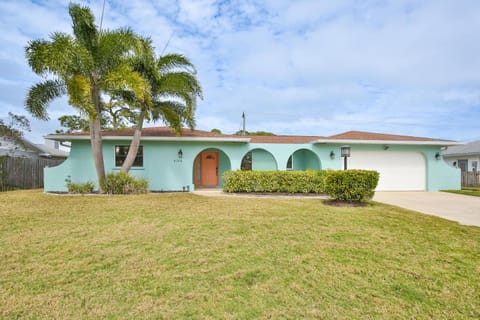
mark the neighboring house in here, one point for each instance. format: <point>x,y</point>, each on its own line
<point>27,149</point>
<point>466,157</point>
<point>199,158</point>
<point>22,163</point>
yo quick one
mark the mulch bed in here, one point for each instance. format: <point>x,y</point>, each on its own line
<point>338,203</point>
<point>269,194</point>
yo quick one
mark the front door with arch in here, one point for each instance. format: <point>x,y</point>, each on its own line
<point>206,169</point>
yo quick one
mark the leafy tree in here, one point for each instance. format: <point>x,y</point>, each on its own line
<point>73,123</point>
<point>14,128</point>
<point>84,66</point>
<point>174,89</point>
<point>215,130</point>
<point>115,115</point>
<point>255,133</point>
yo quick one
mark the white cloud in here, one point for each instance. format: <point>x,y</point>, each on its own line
<point>302,67</point>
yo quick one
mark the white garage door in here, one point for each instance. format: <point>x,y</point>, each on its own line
<point>399,170</point>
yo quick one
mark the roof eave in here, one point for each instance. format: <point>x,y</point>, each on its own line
<point>149,138</point>
<point>407,142</point>
<point>461,154</point>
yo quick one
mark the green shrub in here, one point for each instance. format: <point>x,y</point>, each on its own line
<point>79,188</point>
<point>123,183</point>
<point>310,181</point>
<point>351,185</point>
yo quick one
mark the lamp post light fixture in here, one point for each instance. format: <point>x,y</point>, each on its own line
<point>180,154</point>
<point>345,152</point>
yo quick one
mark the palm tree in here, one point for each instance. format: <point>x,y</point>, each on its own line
<point>83,66</point>
<point>174,89</point>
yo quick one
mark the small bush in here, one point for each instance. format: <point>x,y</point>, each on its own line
<point>310,181</point>
<point>351,185</point>
<point>80,188</point>
<point>123,183</point>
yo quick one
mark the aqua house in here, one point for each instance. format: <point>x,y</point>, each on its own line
<point>199,158</point>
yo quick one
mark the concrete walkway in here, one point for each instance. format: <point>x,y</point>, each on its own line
<point>455,207</point>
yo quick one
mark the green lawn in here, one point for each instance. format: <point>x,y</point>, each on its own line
<point>171,256</point>
<point>466,191</point>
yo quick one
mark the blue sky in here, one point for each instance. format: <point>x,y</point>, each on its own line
<point>294,67</point>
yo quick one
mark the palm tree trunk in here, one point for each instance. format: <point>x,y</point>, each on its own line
<point>96,135</point>
<point>132,151</point>
<point>96,143</point>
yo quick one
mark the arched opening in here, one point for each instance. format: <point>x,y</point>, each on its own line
<point>258,159</point>
<point>209,166</point>
<point>303,159</point>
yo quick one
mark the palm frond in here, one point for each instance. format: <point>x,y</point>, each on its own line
<point>41,94</point>
<point>78,88</point>
<point>144,60</point>
<point>114,46</point>
<point>123,78</point>
<point>53,56</point>
<point>170,112</point>
<point>171,62</point>
<point>180,85</point>
<point>84,28</point>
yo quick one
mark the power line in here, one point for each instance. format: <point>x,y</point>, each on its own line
<point>101,19</point>
<point>166,44</point>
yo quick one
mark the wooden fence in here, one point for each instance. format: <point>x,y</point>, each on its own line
<point>23,173</point>
<point>471,179</point>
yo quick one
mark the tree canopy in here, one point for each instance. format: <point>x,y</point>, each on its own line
<point>13,129</point>
<point>84,66</point>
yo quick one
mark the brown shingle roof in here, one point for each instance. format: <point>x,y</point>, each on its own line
<point>282,139</point>
<point>157,132</point>
<point>168,132</point>
<point>361,135</point>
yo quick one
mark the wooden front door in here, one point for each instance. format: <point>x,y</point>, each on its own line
<point>207,175</point>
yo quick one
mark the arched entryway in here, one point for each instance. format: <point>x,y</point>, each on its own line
<point>209,166</point>
<point>258,159</point>
<point>303,159</point>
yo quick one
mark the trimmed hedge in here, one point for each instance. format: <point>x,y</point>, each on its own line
<point>310,181</point>
<point>343,185</point>
<point>351,185</point>
<point>123,183</point>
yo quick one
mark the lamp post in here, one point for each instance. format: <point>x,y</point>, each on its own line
<point>345,151</point>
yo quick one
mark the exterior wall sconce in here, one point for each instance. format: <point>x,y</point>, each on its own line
<point>385,147</point>
<point>345,152</point>
<point>332,155</point>
<point>438,156</point>
<point>180,154</point>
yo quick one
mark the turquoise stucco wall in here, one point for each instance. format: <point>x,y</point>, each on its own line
<point>165,172</point>
<point>305,159</point>
<point>263,160</point>
<point>79,167</point>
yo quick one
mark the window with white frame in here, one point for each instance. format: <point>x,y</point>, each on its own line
<point>121,154</point>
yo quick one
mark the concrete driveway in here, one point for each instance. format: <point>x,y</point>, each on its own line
<point>455,207</point>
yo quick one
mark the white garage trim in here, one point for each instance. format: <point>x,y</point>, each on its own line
<point>399,170</point>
